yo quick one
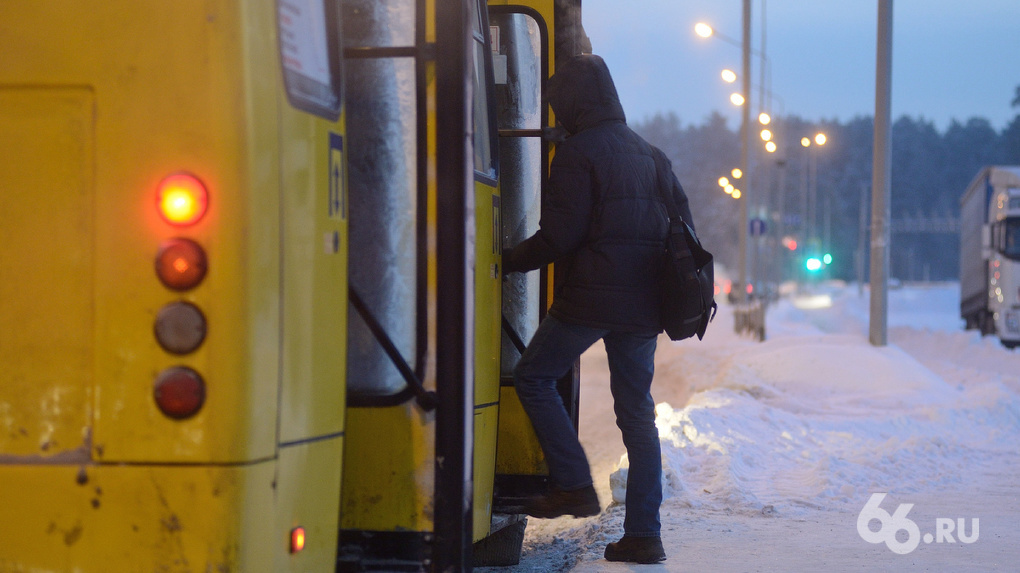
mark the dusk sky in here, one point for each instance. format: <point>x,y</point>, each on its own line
<point>952,59</point>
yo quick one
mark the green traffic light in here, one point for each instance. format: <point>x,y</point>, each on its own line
<point>813,264</point>
<point>827,259</point>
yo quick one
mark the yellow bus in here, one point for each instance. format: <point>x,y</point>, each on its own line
<point>252,316</point>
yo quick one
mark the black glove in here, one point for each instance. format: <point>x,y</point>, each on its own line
<point>508,266</point>
<point>556,134</point>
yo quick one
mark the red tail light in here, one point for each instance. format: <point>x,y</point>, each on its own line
<point>182,199</point>
<point>179,392</point>
<point>180,264</point>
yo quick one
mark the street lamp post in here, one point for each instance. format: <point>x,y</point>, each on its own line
<point>780,258</point>
<point>880,176</point>
<point>811,203</point>
<point>812,197</point>
<point>744,98</point>
<point>745,133</point>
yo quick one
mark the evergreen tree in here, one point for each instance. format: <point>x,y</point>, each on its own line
<point>1011,136</point>
<point>930,171</point>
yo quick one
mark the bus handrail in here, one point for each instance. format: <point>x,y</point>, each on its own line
<point>426,398</point>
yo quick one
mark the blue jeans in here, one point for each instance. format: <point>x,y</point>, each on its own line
<point>552,351</point>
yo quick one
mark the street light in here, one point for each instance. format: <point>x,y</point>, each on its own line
<point>729,76</point>
<point>705,31</point>
<point>736,99</point>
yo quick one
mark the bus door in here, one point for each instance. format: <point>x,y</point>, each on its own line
<point>388,494</point>
<point>394,494</point>
<point>525,38</point>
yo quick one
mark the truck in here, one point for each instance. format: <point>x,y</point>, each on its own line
<point>990,254</point>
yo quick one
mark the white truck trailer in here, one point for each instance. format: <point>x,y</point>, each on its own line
<point>990,253</point>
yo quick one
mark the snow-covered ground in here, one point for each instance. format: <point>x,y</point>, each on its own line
<point>772,451</point>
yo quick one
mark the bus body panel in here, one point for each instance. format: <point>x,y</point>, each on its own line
<point>486,422</point>
<point>388,469</point>
<point>307,495</point>
<point>136,518</point>
<point>167,99</point>
<point>520,453</point>
<point>314,278</point>
<point>310,217</point>
<point>182,110</point>
<point>488,278</point>
<point>46,265</point>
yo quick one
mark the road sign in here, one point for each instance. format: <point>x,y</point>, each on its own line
<point>758,227</point>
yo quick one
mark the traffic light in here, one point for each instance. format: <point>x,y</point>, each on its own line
<point>815,264</point>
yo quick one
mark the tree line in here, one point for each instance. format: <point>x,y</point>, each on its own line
<point>930,171</point>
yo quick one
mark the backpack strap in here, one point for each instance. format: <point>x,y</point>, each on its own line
<point>663,172</point>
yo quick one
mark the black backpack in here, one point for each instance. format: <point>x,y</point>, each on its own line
<point>687,279</point>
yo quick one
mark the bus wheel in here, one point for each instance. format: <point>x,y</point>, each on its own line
<point>502,548</point>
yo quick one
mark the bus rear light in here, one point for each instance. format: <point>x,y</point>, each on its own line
<point>180,264</point>
<point>297,539</point>
<point>179,392</point>
<point>182,199</point>
<point>180,327</point>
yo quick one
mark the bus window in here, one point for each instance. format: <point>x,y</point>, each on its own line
<point>484,136</point>
<point>388,24</point>
<point>381,101</point>
<point>309,54</point>
<point>519,111</point>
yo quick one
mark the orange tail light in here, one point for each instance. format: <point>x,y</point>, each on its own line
<point>182,199</point>
<point>297,539</point>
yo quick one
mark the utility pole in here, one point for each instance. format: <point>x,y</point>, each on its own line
<point>862,229</point>
<point>813,195</point>
<point>745,131</point>
<point>781,258</point>
<point>880,182</point>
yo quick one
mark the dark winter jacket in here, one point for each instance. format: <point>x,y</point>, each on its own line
<point>603,221</point>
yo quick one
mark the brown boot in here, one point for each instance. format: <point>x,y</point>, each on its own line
<point>582,502</point>
<point>636,550</point>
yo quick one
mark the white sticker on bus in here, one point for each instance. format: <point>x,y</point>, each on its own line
<point>303,39</point>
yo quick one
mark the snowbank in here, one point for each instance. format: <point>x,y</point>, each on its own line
<point>815,420</point>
